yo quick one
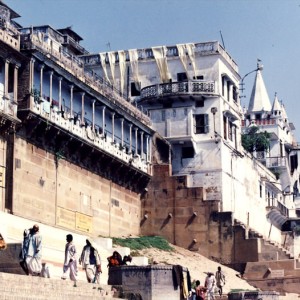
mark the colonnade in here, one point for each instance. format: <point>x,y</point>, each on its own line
<point>139,133</point>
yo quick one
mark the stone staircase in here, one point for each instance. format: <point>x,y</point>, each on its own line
<point>274,251</point>
<point>268,250</point>
<point>22,287</point>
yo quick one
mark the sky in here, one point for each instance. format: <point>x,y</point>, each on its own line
<point>268,30</point>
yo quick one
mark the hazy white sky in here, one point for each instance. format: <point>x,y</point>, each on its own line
<point>251,29</point>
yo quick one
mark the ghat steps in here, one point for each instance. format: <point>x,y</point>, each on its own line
<point>22,287</point>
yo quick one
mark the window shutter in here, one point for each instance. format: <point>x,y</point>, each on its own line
<point>206,124</point>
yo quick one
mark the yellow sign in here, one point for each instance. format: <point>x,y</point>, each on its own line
<point>65,218</point>
<point>83,222</point>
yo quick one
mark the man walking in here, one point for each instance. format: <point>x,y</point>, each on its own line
<point>70,262</point>
<point>91,262</point>
<point>220,279</point>
<point>210,284</point>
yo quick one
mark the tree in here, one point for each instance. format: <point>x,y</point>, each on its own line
<point>253,140</point>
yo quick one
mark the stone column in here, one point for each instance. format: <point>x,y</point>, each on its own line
<point>113,126</point>
<point>41,81</point>
<point>71,101</point>
<point>136,141</point>
<point>50,88</point>
<point>130,139</point>
<point>31,81</point>
<point>31,76</point>
<point>93,115</point>
<point>82,109</point>
<point>6,70</point>
<point>142,146</point>
<point>147,148</point>
<point>59,94</point>
<point>103,121</point>
<point>122,132</point>
<point>16,83</point>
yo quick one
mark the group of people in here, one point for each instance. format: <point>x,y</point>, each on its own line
<point>31,257</point>
<point>116,260</point>
<point>89,259</point>
<point>210,284</point>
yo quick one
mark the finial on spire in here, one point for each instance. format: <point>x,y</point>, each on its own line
<point>259,65</point>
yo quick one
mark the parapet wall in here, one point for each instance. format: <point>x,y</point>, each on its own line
<point>153,282</point>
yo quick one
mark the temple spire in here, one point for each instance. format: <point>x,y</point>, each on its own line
<point>276,107</point>
<point>259,100</point>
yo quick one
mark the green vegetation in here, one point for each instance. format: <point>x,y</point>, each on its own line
<point>241,290</point>
<point>143,242</point>
<point>253,140</point>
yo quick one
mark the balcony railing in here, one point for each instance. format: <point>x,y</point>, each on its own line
<point>69,41</point>
<point>179,88</point>
<point>205,48</point>
<point>274,162</point>
<point>12,40</point>
<point>94,137</point>
<point>76,67</point>
<point>266,121</point>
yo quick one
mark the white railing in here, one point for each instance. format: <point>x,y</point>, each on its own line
<point>104,143</point>
<point>179,88</point>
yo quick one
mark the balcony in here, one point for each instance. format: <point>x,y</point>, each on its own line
<point>184,88</point>
<point>75,66</point>
<point>66,121</point>
<point>9,39</point>
<point>271,162</point>
<point>67,139</point>
<point>76,46</point>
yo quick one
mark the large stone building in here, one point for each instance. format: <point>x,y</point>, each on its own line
<point>214,197</point>
<point>141,141</point>
<point>76,154</point>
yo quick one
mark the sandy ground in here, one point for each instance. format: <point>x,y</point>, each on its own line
<point>198,265</point>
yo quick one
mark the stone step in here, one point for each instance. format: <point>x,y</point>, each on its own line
<point>21,287</point>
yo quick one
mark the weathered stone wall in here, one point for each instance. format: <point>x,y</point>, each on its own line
<point>56,192</point>
<point>282,276</point>
<point>179,214</point>
<point>152,282</point>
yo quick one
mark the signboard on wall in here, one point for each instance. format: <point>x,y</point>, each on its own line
<point>83,222</point>
<point>73,220</point>
<point>65,218</point>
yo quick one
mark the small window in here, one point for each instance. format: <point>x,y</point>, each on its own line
<point>181,77</point>
<point>199,77</point>
<point>187,152</point>
<point>230,131</point>
<point>163,115</point>
<point>174,113</point>
<point>201,124</point>
<point>223,86</point>
<point>258,116</point>
<point>225,127</point>
<point>260,190</point>
<point>135,89</point>
<point>185,111</point>
<point>234,94</point>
